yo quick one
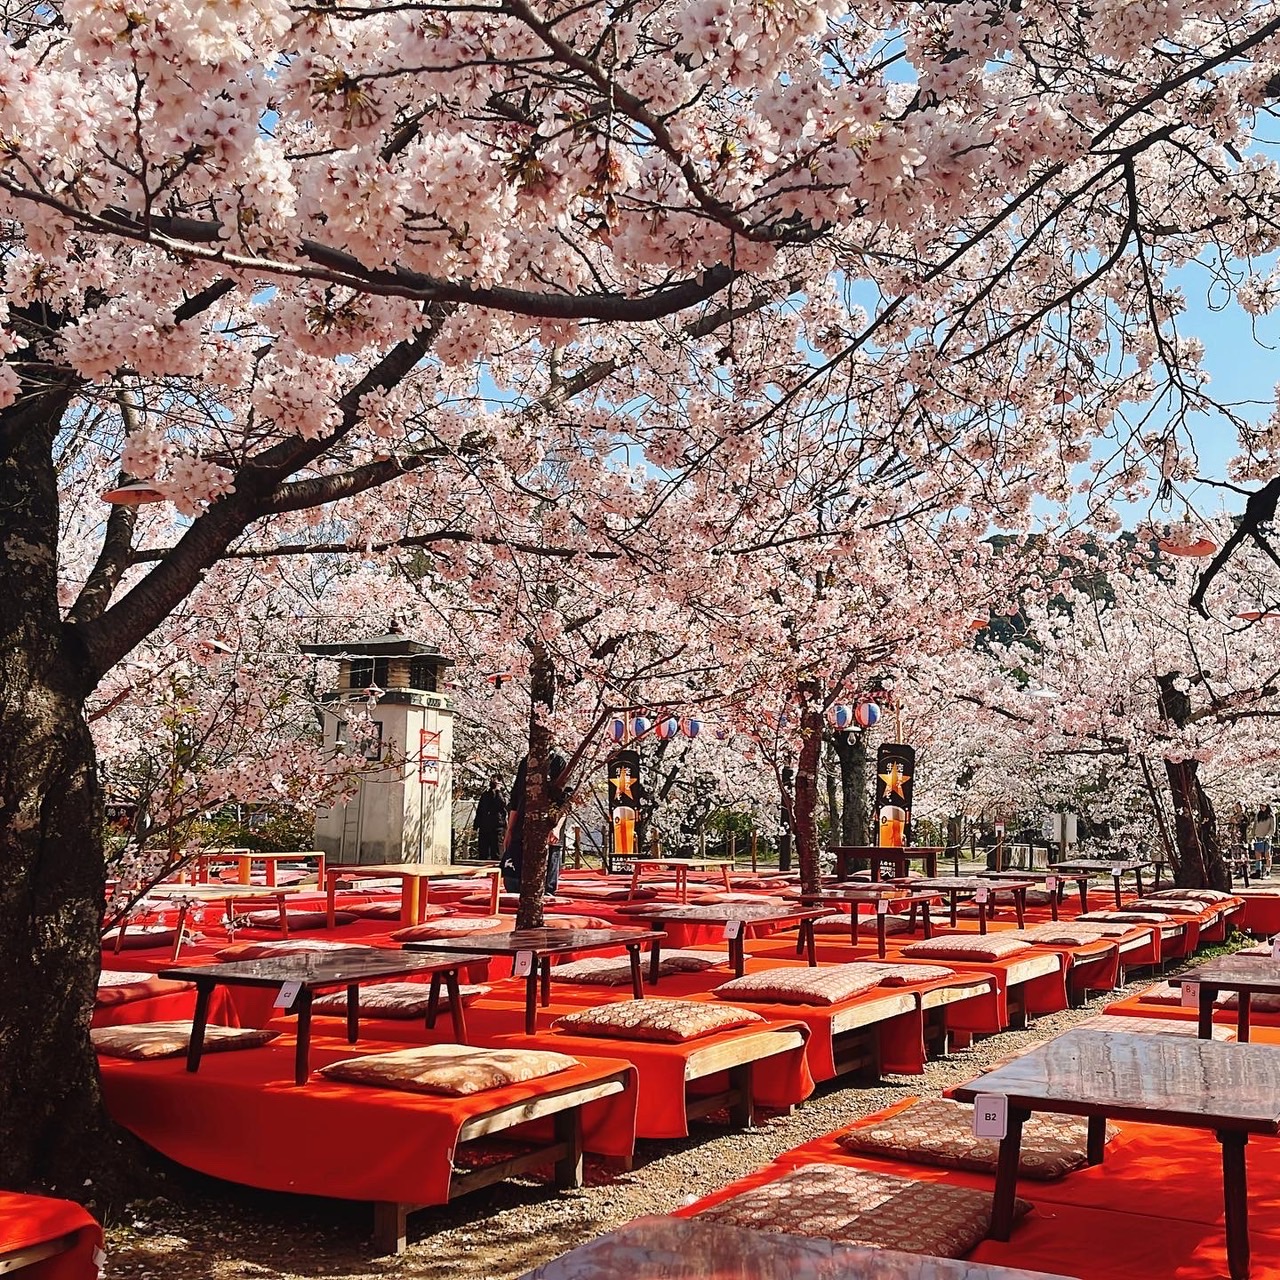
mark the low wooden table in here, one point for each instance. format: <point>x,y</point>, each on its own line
<point>1231,1089</point>
<point>878,855</point>
<point>413,875</point>
<point>1115,868</point>
<point>315,971</point>
<point>542,944</point>
<point>1060,879</point>
<point>245,858</point>
<point>682,867</point>
<point>873,895</point>
<point>689,1249</point>
<point>1245,975</point>
<point>955,887</point>
<point>186,896</point>
<point>726,913</point>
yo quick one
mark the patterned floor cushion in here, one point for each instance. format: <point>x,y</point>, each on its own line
<point>1170,906</point>
<point>722,896</point>
<point>454,927</point>
<point>1193,895</point>
<point>1122,917</point>
<point>669,1021</point>
<point>138,937</point>
<point>563,920</point>
<point>615,971</point>
<point>966,946</point>
<point>862,1207</point>
<point>296,919</point>
<point>394,1000</point>
<point>392,911</point>
<point>937,1131</point>
<point>122,977</point>
<point>143,1040</point>
<point>510,901</point>
<point>1259,1002</point>
<point>825,985</point>
<point>903,975</point>
<point>455,1069</point>
<point>606,893</point>
<point>1067,934</point>
<point>287,947</point>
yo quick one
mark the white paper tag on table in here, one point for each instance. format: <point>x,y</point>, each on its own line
<point>990,1115</point>
<point>523,965</point>
<point>1051,883</point>
<point>287,994</point>
<point>1117,872</point>
<point>1190,995</point>
<point>732,928</point>
<point>1275,947</point>
<point>981,896</point>
<point>882,906</point>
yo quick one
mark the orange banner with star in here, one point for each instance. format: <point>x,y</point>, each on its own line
<point>624,801</point>
<point>895,775</point>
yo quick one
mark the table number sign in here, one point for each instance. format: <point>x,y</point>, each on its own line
<point>882,906</point>
<point>732,928</point>
<point>990,1115</point>
<point>1190,995</point>
<point>982,895</point>
<point>522,966</point>
<point>1051,883</point>
<point>287,994</point>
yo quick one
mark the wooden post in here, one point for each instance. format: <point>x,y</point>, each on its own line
<point>733,847</point>
<point>754,852</point>
<point>577,848</point>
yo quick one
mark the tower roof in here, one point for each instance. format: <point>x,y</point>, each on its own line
<point>391,645</point>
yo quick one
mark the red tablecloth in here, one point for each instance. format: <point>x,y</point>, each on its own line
<point>30,1221</point>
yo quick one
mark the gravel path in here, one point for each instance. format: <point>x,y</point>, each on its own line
<point>213,1230</point>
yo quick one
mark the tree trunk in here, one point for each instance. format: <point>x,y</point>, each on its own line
<point>833,804</point>
<point>538,818</point>
<point>1199,863</point>
<point>851,751</point>
<point>53,1129</point>
<point>806,801</point>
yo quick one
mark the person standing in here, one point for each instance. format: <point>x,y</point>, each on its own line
<point>1264,828</point>
<point>513,849</point>
<point>491,822</point>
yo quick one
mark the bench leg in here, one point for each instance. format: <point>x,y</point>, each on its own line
<point>568,1130</point>
<point>742,1110</point>
<point>390,1229</point>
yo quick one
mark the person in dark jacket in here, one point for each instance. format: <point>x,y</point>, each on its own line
<point>513,852</point>
<point>491,822</point>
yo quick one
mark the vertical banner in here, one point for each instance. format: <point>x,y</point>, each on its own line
<point>428,758</point>
<point>624,799</point>
<point>895,770</point>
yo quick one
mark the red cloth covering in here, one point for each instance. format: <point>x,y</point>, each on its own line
<point>29,1221</point>
<point>1079,1226</point>
<point>241,1117</point>
<point>159,1001</point>
<point>1261,914</point>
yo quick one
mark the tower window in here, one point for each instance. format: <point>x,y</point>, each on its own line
<point>423,674</point>
<point>367,671</point>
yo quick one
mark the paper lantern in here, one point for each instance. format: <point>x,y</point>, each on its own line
<point>866,714</point>
<point>691,727</point>
<point>1185,545</point>
<point>841,716</point>
<point>641,724</point>
<point>618,729</point>
<point>722,732</point>
<point>133,494</point>
<point>667,728</point>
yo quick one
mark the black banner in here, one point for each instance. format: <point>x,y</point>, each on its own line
<point>624,805</point>
<point>895,776</point>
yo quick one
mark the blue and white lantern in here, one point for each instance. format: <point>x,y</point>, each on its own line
<point>667,728</point>
<point>640,725</point>
<point>691,727</point>
<point>618,729</point>
<point>841,716</point>
<point>866,714</point>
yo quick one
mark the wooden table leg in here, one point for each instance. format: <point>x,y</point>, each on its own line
<point>1020,907</point>
<point>1236,1203</point>
<point>1097,1139</point>
<point>456,1012</point>
<point>495,882</point>
<point>955,909</point>
<point>433,1001</point>
<point>925,921</point>
<point>1115,880</point>
<point>738,953</point>
<point>682,884</point>
<point>284,916</point>
<point>1083,885</point>
<point>637,982</point>
<point>330,889</point>
<point>983,908</point>
<point>1204,1026</point>
<point>811,944</point>
<point>302,1055</point>
<point>179,930</point>
<point>880,933</point>
<point>1243,1001</point>
<point>245,874</point>
<point>531,1001</point>
<point>353,1012</point>
<point>545,967</point>
<point>270,872</point>
<point>320,871</point>
<point>567,1129</point>
<point>1137,874</point>
<point>195,1046</point>
<point>1054,899</point>
<point>728,886</point>
<point>409,900</point>
<point>1002,1204</point>
<point>655,958</point>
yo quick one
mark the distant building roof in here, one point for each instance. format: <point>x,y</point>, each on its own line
<point>386,646</point>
